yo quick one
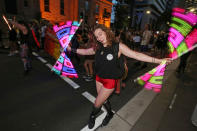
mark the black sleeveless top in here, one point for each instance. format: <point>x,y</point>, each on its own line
<point>106,64</point>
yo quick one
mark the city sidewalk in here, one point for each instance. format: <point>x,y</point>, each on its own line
<point>170,110</point>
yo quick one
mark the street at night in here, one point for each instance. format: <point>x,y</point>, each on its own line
<point>98,65</point>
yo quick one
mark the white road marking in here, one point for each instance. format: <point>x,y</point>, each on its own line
<point>34,53</point>
<point>70,82</point>
<point>49,65</point>
<point>91,98</point>
<point>41,59</point>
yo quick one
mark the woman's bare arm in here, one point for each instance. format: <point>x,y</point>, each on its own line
<point>89,51</point>
<point>123,49</point>
<point>20,27</point>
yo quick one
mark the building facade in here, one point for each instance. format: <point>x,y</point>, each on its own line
<point>51,10</point>
<point>57,11</point>
<point>147,12</point>
<point>96,11</point>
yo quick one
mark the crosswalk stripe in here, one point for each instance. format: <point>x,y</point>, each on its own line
<point>49,65</point>
<point>70,82</point>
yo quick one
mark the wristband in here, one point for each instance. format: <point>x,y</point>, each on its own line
<point>73,50</point>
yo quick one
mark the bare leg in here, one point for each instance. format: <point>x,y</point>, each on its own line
<point>90,62</point>
<point>86,67</point>
<point>103,95</point>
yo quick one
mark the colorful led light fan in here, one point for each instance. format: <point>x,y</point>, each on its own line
<point>65,32</point>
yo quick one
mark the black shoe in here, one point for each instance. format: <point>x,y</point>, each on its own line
<point>93,116</point>
<point>107,118</point>
<point>89,79</point>
<point>91,121</point>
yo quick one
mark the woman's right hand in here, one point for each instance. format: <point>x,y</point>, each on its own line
<point>68,47</point>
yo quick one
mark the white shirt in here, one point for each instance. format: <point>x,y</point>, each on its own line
<point>137,38</point>
<point>146,37</point>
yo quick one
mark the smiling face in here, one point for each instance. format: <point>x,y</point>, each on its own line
<point>100,36</point>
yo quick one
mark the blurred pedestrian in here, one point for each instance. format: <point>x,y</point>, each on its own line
<point>25,47</point>
<point>137,40</point>
<point>43,31</point>
<point>89,59</point>
<point>146,36</point>
<point>183,63</point>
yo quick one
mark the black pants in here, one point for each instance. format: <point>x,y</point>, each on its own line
<point>183,62</point>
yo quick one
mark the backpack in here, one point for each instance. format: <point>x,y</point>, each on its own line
<point>121,62</point>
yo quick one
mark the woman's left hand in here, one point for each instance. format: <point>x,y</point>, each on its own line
<point>168,60</point>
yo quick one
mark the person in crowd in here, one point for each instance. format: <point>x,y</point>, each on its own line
<point>25,47</point>
<point>89,59</point>
<point>136,40</point>
<point>183,63</point>
<point>106,69</point>
<point>43,30</point>
<point>12,42</point>
<point>145,41</point>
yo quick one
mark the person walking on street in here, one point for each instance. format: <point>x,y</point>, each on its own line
<point>106,68</point>
<point>25,47</point>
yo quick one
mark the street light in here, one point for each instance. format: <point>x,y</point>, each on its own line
<point>148,12</point>
<point>192,9</point>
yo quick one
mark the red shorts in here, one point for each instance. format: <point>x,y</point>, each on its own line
<point>107,83</point>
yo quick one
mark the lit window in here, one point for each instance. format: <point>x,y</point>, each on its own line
<point>46,5</point>
<point>62,7</point>
<point>97,9</point>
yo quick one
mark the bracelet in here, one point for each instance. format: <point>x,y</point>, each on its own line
<point>73,50</point>
<point>153,60</point>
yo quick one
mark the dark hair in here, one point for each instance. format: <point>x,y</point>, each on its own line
<point>109,34</point>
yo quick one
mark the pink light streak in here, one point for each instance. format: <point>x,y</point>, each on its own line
<point>68,24</point>
<point>69,75</point>
<point>176,38</point>
<point>68,63</point>
<point>7,22</point>
<point>178,10</point>
<point>64,41</point>
<point>191,39</point>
